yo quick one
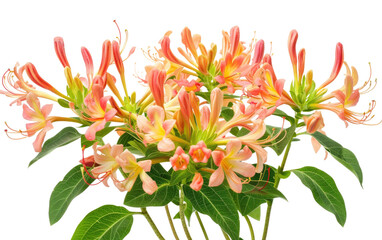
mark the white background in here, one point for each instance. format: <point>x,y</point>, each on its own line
<point>27,31</point>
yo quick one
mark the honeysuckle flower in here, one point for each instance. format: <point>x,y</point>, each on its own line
<point>105,156</point>
<point>235,63</point>
<point>267,88</point>
<point>156,129</point>
<point>200,152</point>
<point>129,165</point>
<point>95,106</point>
<point>253,141</point>
<point>197,63</point>
<point>180,159</point>
<point>229,162</point>
<point>244,116</point>
<point>39,115</point>
<point>197,182</point>
<point>16,88</point>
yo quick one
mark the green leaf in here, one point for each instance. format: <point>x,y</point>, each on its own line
<point>126,138</point>
<point>246,203</point>
<point>262,190</point>
<point>279,144</point>
<point>217,203</point>
<point>341,154</point>
<point>178,176</point>
<point>137,197</point>
<point>324,190</point>
<point>63,103</point>
<point>108,222</point>
<point>64,137</point>
<point>227,113</point>
<point>256,213</point>
<point>65,191</point>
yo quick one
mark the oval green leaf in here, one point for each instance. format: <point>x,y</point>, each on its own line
<point>64,137</point>
<point>217,203</point>
<point>65,191</point>
<point>108,222</point>
<point>341,154</point>
<point>324,191</point>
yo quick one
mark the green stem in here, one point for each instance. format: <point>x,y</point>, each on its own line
<point>181,213</point>
<point>276,184</point>
<point>225,235</point>
<point>250,227</point>
<point>171,223</point>
<point>201,225</point>
<point>152,224</point>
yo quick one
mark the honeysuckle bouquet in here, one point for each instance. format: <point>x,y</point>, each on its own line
<point>196,139</point>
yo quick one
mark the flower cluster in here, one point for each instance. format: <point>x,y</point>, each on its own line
<point>204,110</point>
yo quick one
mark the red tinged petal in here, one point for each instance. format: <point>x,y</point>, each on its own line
<point>88,63</point>
<point>339,60</point>
<point>36,78</point>
<point>156,79</point>
<point>59,47</point>
<point>117,58</point>
<point>234,39</point>
<point>185,105</point>
<point>106,58</point>
<point>292,40</point>
<point>188,41</point>
<point>301,63</point>
<point>259,52</point>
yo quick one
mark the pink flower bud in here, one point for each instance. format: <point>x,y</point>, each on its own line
<point>259,52</point>
<point>301,63</point>
<point>339,60</point>
<point>106,58</point>
<point>234,39</point>
<point>185,105</point>
<point>117,58</point>
<point>88,63</point>
<point>197,182</point>
<point>59,47</point>
<point>314,123</point>
<point>156,79</point>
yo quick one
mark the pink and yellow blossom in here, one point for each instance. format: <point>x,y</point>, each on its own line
<point>229,162</point>
<point>156,129</point>
<point>180,159</point>
<point>200,152</point>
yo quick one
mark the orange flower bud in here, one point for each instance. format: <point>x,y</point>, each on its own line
<point>314,123</point>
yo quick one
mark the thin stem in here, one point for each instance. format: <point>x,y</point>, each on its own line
<point>201,225</point>
<point>267,217</point>
<point>171,223</point>
<point>152,224</point>
<point>250,227</point>
<point>225,235</point>
<point>181,213</point>
<point>276,184</point>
